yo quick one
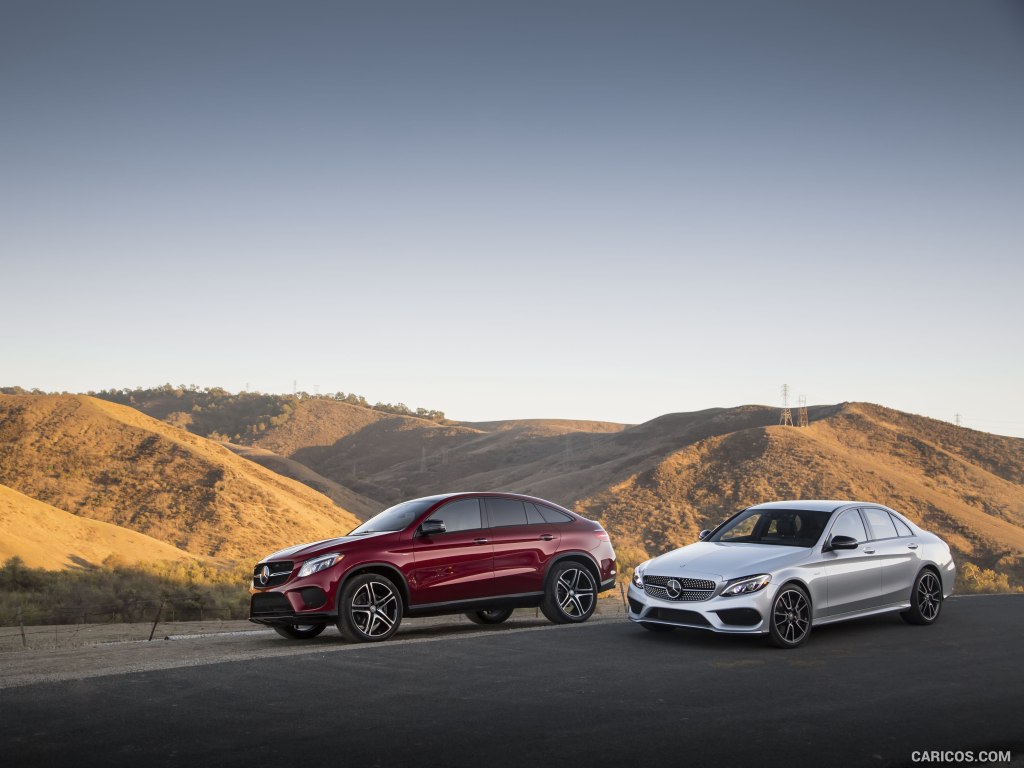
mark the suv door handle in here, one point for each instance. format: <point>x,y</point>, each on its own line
<point>869,551</point>
<point>546,537</point>
<point>911,546</point>
<point>479,541</point>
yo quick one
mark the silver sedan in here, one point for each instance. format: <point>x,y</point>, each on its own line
<point>780,568</point>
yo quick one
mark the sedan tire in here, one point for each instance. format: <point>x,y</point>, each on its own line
<point>789,623</point>
<point>925,600</point>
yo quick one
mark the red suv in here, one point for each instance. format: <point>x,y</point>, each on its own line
<point>482,554</point>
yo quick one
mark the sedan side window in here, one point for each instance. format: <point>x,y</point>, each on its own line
<point>461,515</point>
<point>850,524</point>
<point>901,528</point>
<point>880,523</point>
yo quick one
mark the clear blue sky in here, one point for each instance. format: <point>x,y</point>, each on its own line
<point>606,210</point>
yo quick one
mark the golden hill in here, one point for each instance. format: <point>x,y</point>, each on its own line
<point>112,463</point>
<point>964,485</point>
<point>47,537</point>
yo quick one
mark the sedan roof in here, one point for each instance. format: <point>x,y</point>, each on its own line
<point>813,505</point>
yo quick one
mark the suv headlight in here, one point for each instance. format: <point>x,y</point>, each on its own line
<point>638,574</point>
<point>318,564</point>
<point>746,585</point>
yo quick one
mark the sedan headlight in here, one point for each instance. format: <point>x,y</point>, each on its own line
<point>746,585</point>
<point>638,574</point>
<point>318,564</point>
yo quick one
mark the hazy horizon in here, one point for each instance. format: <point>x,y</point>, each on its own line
<point>590,210</point>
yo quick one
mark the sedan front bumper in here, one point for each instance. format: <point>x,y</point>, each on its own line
<point>744,614</point>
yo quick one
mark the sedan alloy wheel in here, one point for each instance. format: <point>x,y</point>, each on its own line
<point>790,620</point>
<point>925,600</point>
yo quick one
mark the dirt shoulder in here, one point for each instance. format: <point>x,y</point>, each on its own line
<point>79,651</point>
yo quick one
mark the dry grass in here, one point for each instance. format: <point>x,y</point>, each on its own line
<point>111,463</point>
<point>47,537</point>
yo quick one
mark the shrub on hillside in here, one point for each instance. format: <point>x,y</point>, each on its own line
<point>972,579</point>
<point>118,592</point>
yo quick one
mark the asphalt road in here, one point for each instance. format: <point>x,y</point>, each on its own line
<point>606,693</point>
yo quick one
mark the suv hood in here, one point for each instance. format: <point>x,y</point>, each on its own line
<point>306,551</point>
<point>725,560</point>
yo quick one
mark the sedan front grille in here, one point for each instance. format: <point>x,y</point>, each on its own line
<point>276,573</point>
<point>678,590</point>
<point>689,618</point>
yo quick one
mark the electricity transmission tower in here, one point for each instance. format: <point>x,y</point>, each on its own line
<point>801,413</point>
<point>786,419</point>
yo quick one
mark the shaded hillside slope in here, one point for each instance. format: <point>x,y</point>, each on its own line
<point>390,457</point>
<point>563,465</point>
<point>359,505</point>
<point>112,463</point>
<point>50,538</point>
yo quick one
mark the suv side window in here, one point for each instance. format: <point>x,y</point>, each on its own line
<point>553,515</point>
<point>533,516</point>
<point>502,512</point>
<point>880,523</point>
<point>461,515</point>
<point>850,524</point>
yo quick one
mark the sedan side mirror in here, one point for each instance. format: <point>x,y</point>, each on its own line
<point>703,535</point>
<point>432,527</point>
<point>843,542</point>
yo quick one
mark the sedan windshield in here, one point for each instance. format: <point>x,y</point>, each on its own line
<point>785,527</point>
<point>394,518</point>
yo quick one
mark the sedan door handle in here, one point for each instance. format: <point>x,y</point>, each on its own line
<point>479,541</point>
<point>869,551</point>
<point>546,537</point>
<point>911,546</point>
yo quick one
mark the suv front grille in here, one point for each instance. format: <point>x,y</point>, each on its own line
<point>689,590</point>
<point>278,573</point>
<point>269,604</point>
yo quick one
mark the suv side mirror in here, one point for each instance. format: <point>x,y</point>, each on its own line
<point>842,542</point>
<point>703,535</point>
<point>432,527</point>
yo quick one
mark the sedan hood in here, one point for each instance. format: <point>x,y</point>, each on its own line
<point>727,561</point>
<point>305,551</point>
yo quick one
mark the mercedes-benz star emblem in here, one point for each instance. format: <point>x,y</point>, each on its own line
<point>674,588</point>
<point>265,574</point>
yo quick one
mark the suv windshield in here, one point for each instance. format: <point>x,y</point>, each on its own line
<point>785,527</point>
<point>394,518</point>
